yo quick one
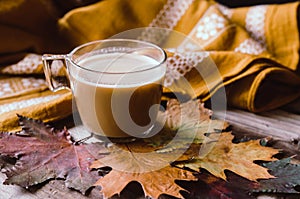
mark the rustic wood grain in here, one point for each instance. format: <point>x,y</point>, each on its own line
<point>277,124</point>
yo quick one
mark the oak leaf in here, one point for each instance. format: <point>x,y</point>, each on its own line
<point>237,158</point>
<point>43,153</point>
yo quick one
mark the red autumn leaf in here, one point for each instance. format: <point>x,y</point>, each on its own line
<point>42,153</point>
<point>209,186</point>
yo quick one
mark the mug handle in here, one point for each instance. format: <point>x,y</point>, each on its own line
<point>56,72</point>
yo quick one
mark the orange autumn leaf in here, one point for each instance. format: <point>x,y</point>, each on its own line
<point>154,183</point>
<point>151,170</point>
<point>238,158</point>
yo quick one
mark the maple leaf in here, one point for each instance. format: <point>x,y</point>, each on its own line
<point>209,186</point>
<point>186,123</point>
<point>43,153</point>
<point>148,161</point>
<point>234,157</point>
<point>287,177</point>
<point>178,114</point>
<point>139,162</point>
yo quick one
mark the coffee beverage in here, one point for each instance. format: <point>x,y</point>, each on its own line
<point>119,94</point>
<point>116,84</point>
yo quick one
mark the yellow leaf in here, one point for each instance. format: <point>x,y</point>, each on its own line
<point>237,158</point>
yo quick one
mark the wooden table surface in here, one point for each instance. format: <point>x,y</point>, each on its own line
<point>282,126</point>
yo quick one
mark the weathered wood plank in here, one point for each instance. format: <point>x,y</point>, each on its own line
<point>277,124</point>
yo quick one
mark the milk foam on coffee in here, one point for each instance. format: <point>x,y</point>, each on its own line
<point>116,101</point>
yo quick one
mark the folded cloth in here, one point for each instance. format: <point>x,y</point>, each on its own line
<point>255,49</point>
<point>24,92</point>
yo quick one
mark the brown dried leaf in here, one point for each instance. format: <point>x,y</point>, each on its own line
<point>189,121</point>
<point>178,114</point>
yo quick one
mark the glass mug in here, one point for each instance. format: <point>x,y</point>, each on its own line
<point>116,84</point>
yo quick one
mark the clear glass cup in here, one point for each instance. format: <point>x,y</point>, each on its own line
<point>116,84</point>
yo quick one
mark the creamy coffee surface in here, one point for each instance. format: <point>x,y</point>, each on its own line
<point>120,70</point>
<point>114,100</point>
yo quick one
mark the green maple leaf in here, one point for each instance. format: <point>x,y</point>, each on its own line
<point>287,177</point>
